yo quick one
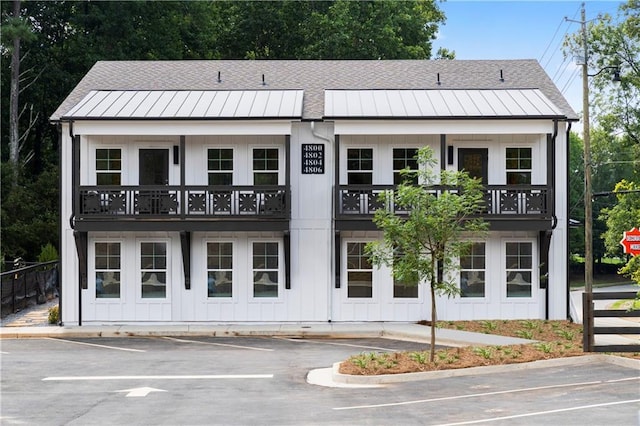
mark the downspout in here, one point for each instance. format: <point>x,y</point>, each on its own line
<point>568,150</point>
<point>60,323</point>
<point>333,226</point>
<point>75,183</point>
<point>555,218</point>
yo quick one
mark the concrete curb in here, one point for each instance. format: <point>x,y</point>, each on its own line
<point>492,369</point>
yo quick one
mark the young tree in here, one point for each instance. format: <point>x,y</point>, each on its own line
<point>425,243</point>
<point>620,218</point>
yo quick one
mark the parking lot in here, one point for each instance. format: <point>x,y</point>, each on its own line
<point>262,381</point>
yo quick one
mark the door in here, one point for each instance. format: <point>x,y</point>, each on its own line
<point>154,171</point>
<point>474,161</point>
<point>153,167</point>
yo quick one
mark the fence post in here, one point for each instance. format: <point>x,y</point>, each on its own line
<point>587,322</point>
<point>13,293</point>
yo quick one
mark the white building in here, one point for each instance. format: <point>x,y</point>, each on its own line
<point>230,191</point>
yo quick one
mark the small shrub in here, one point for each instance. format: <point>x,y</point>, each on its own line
<point>545,347</point>
<point>566,334</point>
<point>486,353</point>
<point>488,326</point>
<point>48,253</point>
<point>525,334</point>
<point>54,315</point>
<point>419,357</point>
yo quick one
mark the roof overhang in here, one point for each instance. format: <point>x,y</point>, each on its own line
<point>137,105</point>
<point>440,104</point>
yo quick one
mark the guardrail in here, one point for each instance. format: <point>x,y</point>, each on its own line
<point>590,313</point>
<point>22,287</point>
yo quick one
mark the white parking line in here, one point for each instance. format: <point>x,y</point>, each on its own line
<point>541,413</point>
<point>95,345</point>
<point>183,377</point>
<point>320,342</point>
<point>475,395</point>
<point>253,348</point>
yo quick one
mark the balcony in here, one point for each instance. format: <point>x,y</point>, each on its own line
<point>182,208</point>
<point>507,207</point>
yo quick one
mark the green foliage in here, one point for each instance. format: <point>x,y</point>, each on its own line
<point>54,315</point>
<point>545,347</point>
<point>484,351</point>
<point>623,216</point>
<point>525,334</point>
<point>419,357</point>
<point>61,41</point>
<point>424,244</point>
<point>488,326</point>
<point>48,253</point>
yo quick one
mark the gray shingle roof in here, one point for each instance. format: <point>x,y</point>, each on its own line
<point>314,77</point>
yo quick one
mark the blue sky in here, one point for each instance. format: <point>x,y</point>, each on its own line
<point>483,29</point>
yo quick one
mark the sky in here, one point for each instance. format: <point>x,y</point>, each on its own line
<point>480,29</point>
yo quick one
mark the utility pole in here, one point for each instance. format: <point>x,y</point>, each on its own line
<point>586,135</point>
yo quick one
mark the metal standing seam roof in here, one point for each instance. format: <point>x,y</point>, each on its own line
<point>529,103</point>
<point>188,104</point>
<point>312,77</point>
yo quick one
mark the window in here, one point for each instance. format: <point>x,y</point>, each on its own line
<point>153,261</point>
<point>359,272</point>
<point>518,166</point>
<point>219,269</point>
<point>472,272</point>
<point>265,166</point>
<point>265,269</point>
<point>360,166</point>
<point>405,290</point>
<point>519,258</point>
<point>107,267</point>
<point>220,166</point>
<point>108,166</point>
<point>404,158</point>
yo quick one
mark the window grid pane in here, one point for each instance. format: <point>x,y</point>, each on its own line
<point>265,269</point>
<point>220,166</point>
<point>265,166</point>
<point>108,166</point>
<point>472,271</point>
<point>220,270</point>
<point>359,166</point>
<point>153,273</point>
<point>107,270</point>
<point>519,269</point>
<point>518,166</point>
<point>359,272</point>
<point>404,158</point>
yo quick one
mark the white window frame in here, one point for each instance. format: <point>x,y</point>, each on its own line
<point>94,158</point>
<point>279,270</point>
<point>140,270</point>
<point>487,288</point>
<point>506,270</point>
<point>234,284</point>
<point>393,169</point>
<point>250,169</point>
<point>346,270</point>
<point>519,170</point>
<point>234,159</point>
<point>346,162</point>
<point>92,267</point>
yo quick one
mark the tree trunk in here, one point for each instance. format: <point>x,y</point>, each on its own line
<point>14,131</point>
<point>432,352</point>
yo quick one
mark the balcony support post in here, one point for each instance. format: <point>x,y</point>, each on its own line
<point>287,259</point>
<point>185,243</point>
<point>443,152</point>
<point>81,248</point>
<point>182,200</point>
<point>337,241</point>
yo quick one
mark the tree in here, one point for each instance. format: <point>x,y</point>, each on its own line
<point>425,244</point>
<point>614,43</point>
<point>620,218</point>
<point>61,40</point>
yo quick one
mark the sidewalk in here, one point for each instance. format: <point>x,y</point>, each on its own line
<point>32,323</point>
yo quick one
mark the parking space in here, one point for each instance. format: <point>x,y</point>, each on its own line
<point>261,380</point>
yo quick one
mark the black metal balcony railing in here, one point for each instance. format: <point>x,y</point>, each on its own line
<point>176,202</point>
<point>500,200</point>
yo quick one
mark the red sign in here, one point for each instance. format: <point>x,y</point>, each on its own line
<point>631,242</point>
